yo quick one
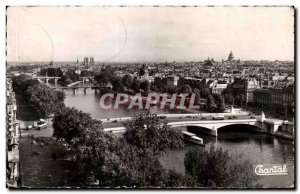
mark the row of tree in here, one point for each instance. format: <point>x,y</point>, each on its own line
<point>214,102</point>
<point>121,83</point>
<point>133,160</point>
<point>45,100</point>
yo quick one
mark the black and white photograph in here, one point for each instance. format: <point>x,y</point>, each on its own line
<point>150,97</point>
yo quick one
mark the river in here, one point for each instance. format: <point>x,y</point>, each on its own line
<point>259,148</point>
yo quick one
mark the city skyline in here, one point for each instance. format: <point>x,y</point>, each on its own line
<point>149,34</point>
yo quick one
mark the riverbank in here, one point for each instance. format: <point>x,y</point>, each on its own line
<point>38,168</point>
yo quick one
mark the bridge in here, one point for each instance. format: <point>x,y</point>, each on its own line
<point>75,88</point>
<point>209,125</point>
<point>47,78</point>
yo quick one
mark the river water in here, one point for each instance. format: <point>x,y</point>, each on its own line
<point>257,147</point>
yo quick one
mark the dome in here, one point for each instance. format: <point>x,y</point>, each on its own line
<point>230,57</point>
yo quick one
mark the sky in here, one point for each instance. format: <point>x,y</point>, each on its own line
<point>149,34</point>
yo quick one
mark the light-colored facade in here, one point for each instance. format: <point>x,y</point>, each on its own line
<point>12,137</point>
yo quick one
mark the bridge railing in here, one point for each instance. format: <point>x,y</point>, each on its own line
<point>196,115</point>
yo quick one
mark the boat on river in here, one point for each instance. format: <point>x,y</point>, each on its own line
<point>193,138</point>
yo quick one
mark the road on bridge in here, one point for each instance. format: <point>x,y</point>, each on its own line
<point>117,123</point>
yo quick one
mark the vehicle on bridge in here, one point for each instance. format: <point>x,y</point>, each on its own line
<point>162,117</point>
<point>218,117</point>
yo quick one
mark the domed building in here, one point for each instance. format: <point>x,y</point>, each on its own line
<point>230,57</point>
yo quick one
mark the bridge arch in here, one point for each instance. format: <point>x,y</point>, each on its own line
<point>197,129</point>
<point>239,128</point>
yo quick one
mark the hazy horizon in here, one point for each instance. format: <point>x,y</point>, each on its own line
<point>149,34</point>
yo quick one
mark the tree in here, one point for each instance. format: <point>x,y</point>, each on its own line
<point>211,105</point>
<point>104,76</point>
<point>112,161</point>
<point>86,73</point>
<point>20,83</point>
<point>51,72</point>
<point>145,85</point>
<point>243,99</point>
<point>217,168</point>
<point>205,92</point>
<point>46,101</point>
<point>171,89</point>
<point>71,123</point>
<point>198,96</point>
<point>228,98</point>
<point>127,80</point>
<point>186,89</point>
<point>154,87</point>
<point>150,135</point>
<point>237,99</point>
<point>136,85</point>
<point>65,79</point>
<point>117,83</point>
<point>72,75</point>
<point>220,102</point>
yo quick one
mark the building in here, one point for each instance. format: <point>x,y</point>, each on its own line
<point>230,57</point>
<point>193,82</point>
<point>12,137</point>
<point>280,100</point>
<point>219,87</point>
<point>207,83</point>
<point>85,61</point>
<point>170,81</point>
<point>262,98</point>
<point>91,62</point>
<point>245,87</point>
<point>88,62</point>
<point>283,99</point>
<point>230,60</point>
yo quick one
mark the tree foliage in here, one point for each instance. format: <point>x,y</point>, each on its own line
<point>211,105</point>
<point>136,85</point>
<point>127,80</point>
<point>71,123</point>
<point>218,98</point>
<point>114,162</point>
<point>149,134</point>
<point>145,85</point>
<point>117,83</point>
<point>86,73</point>
<point>104,76</point>
<point>186,89</point>
<point>51,72</point>
<point>217,168</point>
<point>45,100</point>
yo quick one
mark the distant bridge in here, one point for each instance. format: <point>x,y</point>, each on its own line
<point>47,78</point>
<point>75,88</point>
<point>211,126</point>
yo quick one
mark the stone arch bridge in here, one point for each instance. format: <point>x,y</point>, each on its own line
<point>211,127</point>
